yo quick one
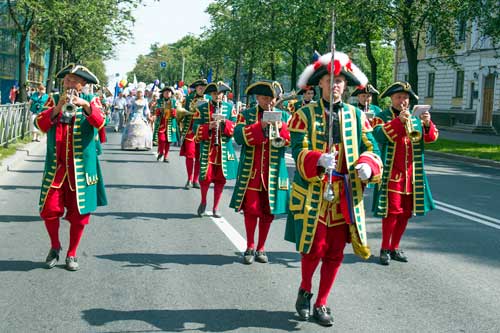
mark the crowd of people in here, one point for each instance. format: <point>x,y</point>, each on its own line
<point>339,149</point>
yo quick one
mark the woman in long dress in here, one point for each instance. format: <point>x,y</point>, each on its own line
<point>138,135</point>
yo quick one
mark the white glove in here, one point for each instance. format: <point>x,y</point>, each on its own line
<point>327,161</point>
<point>364,171</point>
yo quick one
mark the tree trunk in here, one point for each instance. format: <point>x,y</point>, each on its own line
<point>22,68</point>
<point>236,80</point>
<point>52,57</point>
<point>293,74</point>
<point>373,65</point>
<point>273,66</point>
<point>250,69</point>
<point>60,63</point>
<point>412,57</point>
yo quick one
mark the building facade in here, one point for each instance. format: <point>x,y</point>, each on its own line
<point>465,96</point>
<point>36,57</point>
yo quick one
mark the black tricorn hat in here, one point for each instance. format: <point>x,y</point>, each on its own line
<point>200,82</point>
<point>306,89</point>
<point>399,86</point>
<point>369,89</point>
<point>265,88</point>
<point>80,71</point>
<point>172,90</point>
<point>217,87</point>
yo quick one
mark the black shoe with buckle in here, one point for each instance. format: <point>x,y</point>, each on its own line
<point>159,157</point>
<point>52,258</point>
<point>196,185</point>
<point>201,209</point>
<point>303,304</point>
<point>248,256</point>
<point>216,214</point>
<point>166,160</point>
<point>399,255</point>
<point>322,315</point>
<point>385,257</point>
<point>260,256</point>
<point>72,264</point>
<point>188,185</point>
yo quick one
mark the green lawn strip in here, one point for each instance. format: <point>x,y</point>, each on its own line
<point>478,150</point>
<point>11,149</point>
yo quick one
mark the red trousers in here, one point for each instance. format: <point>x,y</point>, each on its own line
<point>394,225</point>
<point>191,151</point>
<point>328,246</point>
<point>214,175</point>
<point>57,200</point>
<point>256,208</point>
<point>163,144</point>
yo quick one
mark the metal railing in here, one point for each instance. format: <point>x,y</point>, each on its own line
<point>14,122</point>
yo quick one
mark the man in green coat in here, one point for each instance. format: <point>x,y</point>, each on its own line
<point>262,184</point>
<point>72,177</point>
<point>404,190</point>
<point>326,202</point>
<point>214,128</point>
<point>364,96</point>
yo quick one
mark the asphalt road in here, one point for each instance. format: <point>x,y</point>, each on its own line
<point>148,263</point>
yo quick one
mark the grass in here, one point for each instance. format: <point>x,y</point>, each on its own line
<point>11,149</point>
<point>478,150</point>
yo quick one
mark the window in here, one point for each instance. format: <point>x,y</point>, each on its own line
<point>459,84</point>
<point>461,29</point>
<point>430,84</point>
<point>431,36</point>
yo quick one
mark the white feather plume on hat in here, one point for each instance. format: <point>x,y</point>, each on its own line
<point>312,73</point>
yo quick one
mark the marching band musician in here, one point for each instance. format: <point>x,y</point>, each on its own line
<point>308,94</point>
<point>364,96</point>
<point>37,101</point>
<point>72,178</point>
<point>165,123</point>
<point>326,211</point>
<point>404,188</point>
<point>262,184</point>
<point>190,149</point>
<point>214,127</point>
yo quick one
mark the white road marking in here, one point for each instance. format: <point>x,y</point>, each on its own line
<point>464,211</point>
<point>234,236</point>
<point>489,224</point>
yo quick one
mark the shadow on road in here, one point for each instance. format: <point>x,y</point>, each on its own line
<point>18,187</point>
<point>147,216</point>
<point>19,218</point>
<point>141,186</point>
<point>19,265</point>
<point>26,171</point>
<point>208,320</point>
<point>157,260</point>
<point>128,161</point>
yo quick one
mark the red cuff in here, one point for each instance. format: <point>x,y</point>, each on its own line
<point>254,135</point>
<point>375,164</point>
<point>95,118</point>
<point>43,121</point>
<point>228,128</point>
<point>285,133</point>
<point>432,134</point>
<point>173,113</point>
<point>102,135</point>
<point>307,164</point>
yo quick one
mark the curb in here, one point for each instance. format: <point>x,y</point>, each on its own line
<point>462,158</point>
<point>21,153</point>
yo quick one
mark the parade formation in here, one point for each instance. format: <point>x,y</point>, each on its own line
<point>338,150</point>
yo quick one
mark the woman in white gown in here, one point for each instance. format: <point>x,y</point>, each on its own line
<point>138,135</point>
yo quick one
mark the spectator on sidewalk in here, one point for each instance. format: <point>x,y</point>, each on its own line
<point>36,103</point>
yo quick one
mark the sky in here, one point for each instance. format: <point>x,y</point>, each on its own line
<point>164,22</point>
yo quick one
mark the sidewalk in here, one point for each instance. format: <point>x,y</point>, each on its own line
<point>469,137</point>
<point>28,149</point>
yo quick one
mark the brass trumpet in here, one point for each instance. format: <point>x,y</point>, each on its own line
<point>411,132</point>
<point>273,117</point>
<point>68,109</point>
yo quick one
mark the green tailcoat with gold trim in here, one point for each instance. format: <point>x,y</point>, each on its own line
<point>90,190</point>
<point>422,197</point>
<point>307,194</point>
<point>278,173</point>
<point>229,160</point>
<point>172,128</point>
